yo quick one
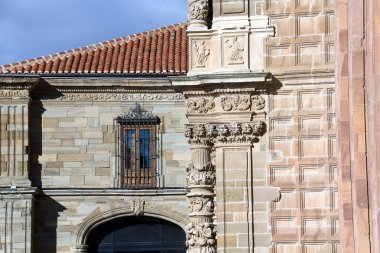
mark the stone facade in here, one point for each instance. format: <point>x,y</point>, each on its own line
<point>268,144</point>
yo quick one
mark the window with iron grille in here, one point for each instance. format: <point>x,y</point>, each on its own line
<point>137,148</point>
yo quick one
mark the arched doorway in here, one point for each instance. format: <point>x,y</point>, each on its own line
<point>137,234</point>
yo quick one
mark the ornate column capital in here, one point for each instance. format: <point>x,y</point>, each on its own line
<point>198,13</point>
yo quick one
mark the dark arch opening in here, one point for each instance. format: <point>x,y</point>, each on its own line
<point>135,235</point>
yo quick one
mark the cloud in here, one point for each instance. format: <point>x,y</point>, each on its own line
<point>33,28</point>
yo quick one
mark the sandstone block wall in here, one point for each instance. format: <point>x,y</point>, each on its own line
<point>74,142</point>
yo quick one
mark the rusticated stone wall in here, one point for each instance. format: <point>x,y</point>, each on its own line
<point>304,38</point>
<point>301,137</point>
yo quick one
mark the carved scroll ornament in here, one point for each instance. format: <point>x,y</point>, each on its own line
<point>201,238</point>
<point>200,105</point>
<point>258,102</point>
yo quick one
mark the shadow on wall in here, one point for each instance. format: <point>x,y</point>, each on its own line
<point>46,214</point>
<point>43,91</point>
<point>46,210</point>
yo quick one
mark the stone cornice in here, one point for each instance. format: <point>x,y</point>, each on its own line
<point>114,192</point>
<point>12,191</point>
<point>180,82</point>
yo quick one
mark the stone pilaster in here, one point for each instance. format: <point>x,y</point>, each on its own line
<point>16,219</point>
<point>14,129</point>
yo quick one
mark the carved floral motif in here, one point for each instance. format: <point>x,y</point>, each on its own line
<point>201,238</point>
<point>206,134</point>
<point>204,176</point>
<point>201,53</point>
<point>198,10</point>
<point>137,206</point>
<point>200,105</point>
<point>235,51</point>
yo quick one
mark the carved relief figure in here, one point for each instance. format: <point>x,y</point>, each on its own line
<point>137,206</point>
<point>198,9</point>
<point>200,105</point>
<point>235,51</point>
<point>201,53</point>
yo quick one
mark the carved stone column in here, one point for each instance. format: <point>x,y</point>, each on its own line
<point>198,12</point>
<point>201,231</point>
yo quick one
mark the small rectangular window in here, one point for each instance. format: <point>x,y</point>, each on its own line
<point>137,149</point>
<point>138,159</point>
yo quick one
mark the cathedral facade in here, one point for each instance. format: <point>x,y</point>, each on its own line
<point>252,127</point>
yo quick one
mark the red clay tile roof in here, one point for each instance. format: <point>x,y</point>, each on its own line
<point>161,51</point>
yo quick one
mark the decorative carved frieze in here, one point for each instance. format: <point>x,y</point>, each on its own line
<point>4,93</point>
<point>201,53</point>
<point>235,51</point>
<point>198,10</point>
<point>204,176</point>
<point>116,96</point>
<point>201,238</point>
<point>137,206</point>
<point>200,105</point>
<point>204,134</point>
<point>258,102</point>
<point>236,103</point>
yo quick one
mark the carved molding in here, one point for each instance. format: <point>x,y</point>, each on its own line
<point>200,105</point>
<point>120,96</point>
<point>201,238</point>
<point>208,134</point>
<point>201,53</point>
<point>137,206</point>
<point>204,176</point>
<point>235,51</point>
<point>198,10</point>
<point>5,93</point>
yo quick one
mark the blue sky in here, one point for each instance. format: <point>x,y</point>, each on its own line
<point>33,28</point>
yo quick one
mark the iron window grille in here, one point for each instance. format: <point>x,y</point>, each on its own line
<point>137,144</point>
